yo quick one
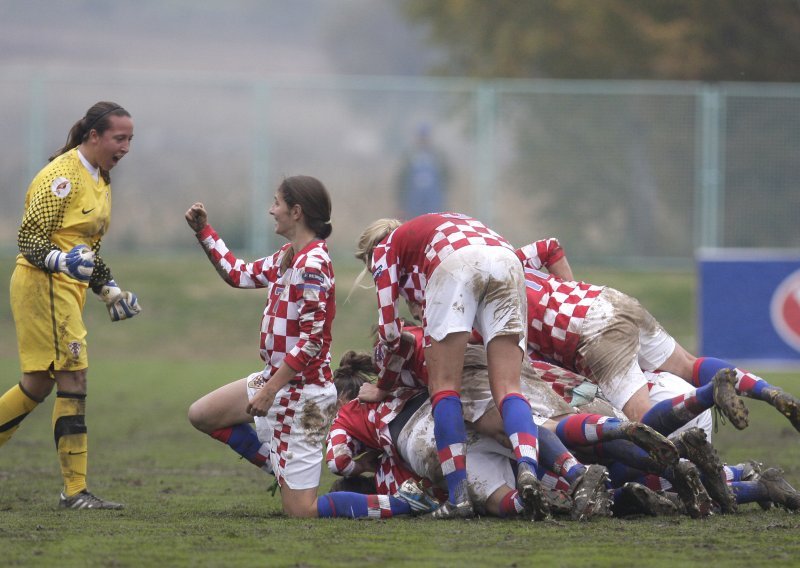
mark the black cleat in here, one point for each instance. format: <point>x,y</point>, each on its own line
<point>85,500</point>
<point>590,496</point>
<point>695,447</point>
<point>636,499</point>
<point>727,400</point>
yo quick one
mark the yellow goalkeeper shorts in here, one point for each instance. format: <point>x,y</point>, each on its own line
<point>47,312</point>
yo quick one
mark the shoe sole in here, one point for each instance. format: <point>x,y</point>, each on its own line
<point>590,497</point>
<point>727,400</point>
<point>651,503</point>
<point>789,406</point>
<point>659,448</point>
<point>532,496</point>
<point>690,489</point>
<point>700,452</point>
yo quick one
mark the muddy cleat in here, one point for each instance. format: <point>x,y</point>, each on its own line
<point>532,495</point>
<point>695,447</point>
<point>657,446</point>
<point>636,499</point>
<point>558,501</point>
<point>780,492</point>
<point>751,471</point>
<point>727,400</point>
<point>448,510</point>
<point>590,496</point>
<point>686,482</point>
<point>787,405</point>
<point>85,500</point>
<point>420,501</point>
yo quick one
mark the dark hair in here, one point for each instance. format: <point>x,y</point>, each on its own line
<point>97,118</point>
<point>313,199</point>
<point>354,370</point>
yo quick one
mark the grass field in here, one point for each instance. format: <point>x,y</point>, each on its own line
<point>191,502</point>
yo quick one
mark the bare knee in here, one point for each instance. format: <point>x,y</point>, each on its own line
<point>198,417</point>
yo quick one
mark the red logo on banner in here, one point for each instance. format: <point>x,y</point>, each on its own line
<point>785,310</point>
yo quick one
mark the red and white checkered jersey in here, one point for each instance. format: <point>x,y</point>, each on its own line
<point>562,381</point>
<point>556,308</point>
<point>359,426</point>
<point>403,262</point>
<point>408,361</point>
<point>301,304</point>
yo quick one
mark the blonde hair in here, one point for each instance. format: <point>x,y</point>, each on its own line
<point>372,235</point>
<point>369,239</point>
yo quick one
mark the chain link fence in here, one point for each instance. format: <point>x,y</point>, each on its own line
<point>623,173</point>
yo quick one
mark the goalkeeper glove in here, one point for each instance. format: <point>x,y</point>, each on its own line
<point>121,305</point>
<point>78,263</point>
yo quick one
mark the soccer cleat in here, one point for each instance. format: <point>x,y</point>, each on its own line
<point>692,493</point>
<point>448,510</point>
<point>636,499</point>
<point>417,498</point>
<point>590,495</point>
<point>780,492</point>
<point>787,405</point>
<point>86,500</point>
<point>558,501</point>
<point>657,446</point>
<point>726,399</point>
<point>695,447</point>
<point>532,495</point>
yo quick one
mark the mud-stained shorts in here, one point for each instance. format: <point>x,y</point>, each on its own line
<point>619,338</point>
<point>488,462</point>
<point>664,386</point>
<point>476,396</point>
<point>296,427</point>
<point>481,287</point>
<point>47,311</point>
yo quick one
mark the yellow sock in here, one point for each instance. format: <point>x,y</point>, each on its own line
<point>69,430</point>
<point>15,405</point>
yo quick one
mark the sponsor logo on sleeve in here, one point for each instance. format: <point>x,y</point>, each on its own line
<point>313,277</point>
<point>61,187</point>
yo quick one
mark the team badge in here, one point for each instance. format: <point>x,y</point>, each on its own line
<point>74,348</point>
<point>61,187</point>
<point>257,382</point>
<point>785,310</point>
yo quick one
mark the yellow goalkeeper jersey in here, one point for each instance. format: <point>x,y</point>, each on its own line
<point>64,207</point>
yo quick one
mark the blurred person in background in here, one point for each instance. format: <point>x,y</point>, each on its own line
<point>67,212</point>
<point>422,184</point>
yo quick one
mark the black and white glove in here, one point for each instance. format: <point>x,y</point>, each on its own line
<point>78,263</point>
<point>121,304</point>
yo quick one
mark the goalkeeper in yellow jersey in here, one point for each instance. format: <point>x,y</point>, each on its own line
<point>67,211</point>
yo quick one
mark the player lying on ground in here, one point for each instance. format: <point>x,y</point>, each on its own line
<point>608,337</point>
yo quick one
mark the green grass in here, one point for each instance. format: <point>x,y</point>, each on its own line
<point>191,502</point>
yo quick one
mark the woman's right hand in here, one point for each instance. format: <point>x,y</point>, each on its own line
<point>197,217</point>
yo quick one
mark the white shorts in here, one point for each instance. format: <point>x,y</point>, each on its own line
<point>664,386</point>
<point>481,287</point>
<point>619,338</point>
<point>488,465</point>
<point>296,427</point>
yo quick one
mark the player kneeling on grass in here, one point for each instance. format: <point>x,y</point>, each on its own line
<point>293,399</point>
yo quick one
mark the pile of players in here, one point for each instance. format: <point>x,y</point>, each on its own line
<point>621,413</point>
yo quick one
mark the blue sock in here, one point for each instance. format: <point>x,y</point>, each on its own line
<point>243,440</point>
<point>520,429</point>
<point>553,455</point>
<point>747,384</point>
<point>668,415</point>
<point>749,491</point>
<point>451,443</point>
<point>359,506</point>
